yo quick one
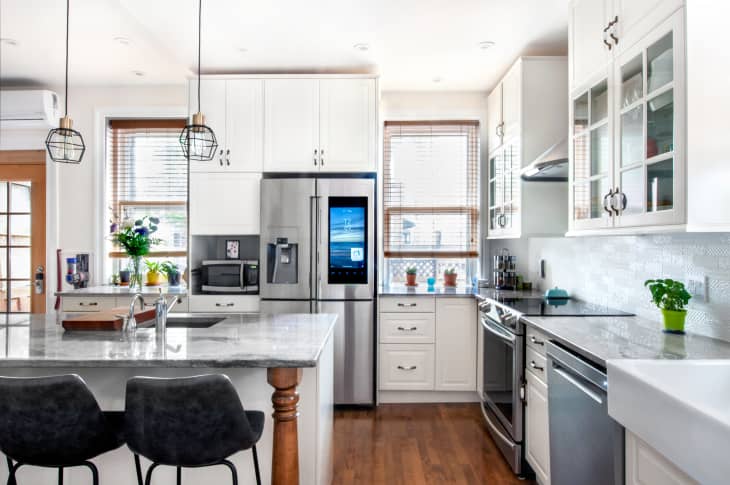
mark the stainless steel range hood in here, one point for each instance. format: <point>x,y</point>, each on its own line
<point>551,166</point>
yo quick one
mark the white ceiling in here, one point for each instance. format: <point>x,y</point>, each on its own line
<point>411,41</point>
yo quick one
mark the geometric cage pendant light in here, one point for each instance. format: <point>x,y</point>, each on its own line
<point>197,139</point>
<point>64,144</point>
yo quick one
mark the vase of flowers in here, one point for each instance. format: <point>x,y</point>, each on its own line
<point>135,238</point>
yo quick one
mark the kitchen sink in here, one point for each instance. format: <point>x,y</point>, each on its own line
<point>193,322</point>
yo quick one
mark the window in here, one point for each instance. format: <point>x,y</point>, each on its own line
<point>430,197</point>
<point>147,175</point>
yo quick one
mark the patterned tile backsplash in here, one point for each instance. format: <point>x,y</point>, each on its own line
<point>612,271</point>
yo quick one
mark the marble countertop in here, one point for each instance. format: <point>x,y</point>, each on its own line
<point>458,291</point>
<point>110,290</point>
<point>602,338</point>
<point>250,340</point>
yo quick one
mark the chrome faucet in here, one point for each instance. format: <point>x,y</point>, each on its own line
<point>131,322</point>
<point>162,308</point>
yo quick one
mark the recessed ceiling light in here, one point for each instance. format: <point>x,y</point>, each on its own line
<point>362,47</point>
<point>122,40</point>
<point>242,50</point>
<point>8,41</point>
<point>138,73</point>
<point>486,44</point>
<point>437,79</point>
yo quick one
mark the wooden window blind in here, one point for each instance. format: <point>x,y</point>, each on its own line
<point>431,189</point>
<point>147,175</point>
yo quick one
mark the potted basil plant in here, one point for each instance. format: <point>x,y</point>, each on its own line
<point>672,298</point>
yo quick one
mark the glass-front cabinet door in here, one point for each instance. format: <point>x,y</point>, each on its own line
<point>649,103</point>
<point>504,196</point>
<point>592,155</point>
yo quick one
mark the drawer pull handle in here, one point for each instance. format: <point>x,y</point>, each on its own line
<point>412,367</point>
<point>224,304</point>
<point>409,305</point>
<point>403,329</point>
<point>93,303</point>
<point>535,366</point>
<point>536,341</point>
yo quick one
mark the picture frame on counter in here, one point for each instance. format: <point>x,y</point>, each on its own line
<point>233,248</point>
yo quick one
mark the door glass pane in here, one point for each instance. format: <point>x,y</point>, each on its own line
<point>660,60</point>
<point>599,150</point>
<point>660,186</point>
<point>492,188</point>
<point>599,102</point>
<point>20,230</point>
<point>632,136</point>
<point>580,114</point>
<point>3,196</point>
<point>581,201</point>
<point>631,81</point>
<point>632,185</point>
<point>3,229</point>
<point>599,189</point>
<point>660,124</point>
<point>492,218</point>
<point>20,294</point>
<point>20,197</point>
<point>492,168</point>
<point>580,157</point>
<point>3,263</point>
<point>20,263</point>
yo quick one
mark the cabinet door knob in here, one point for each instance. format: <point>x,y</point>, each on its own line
<point>411,329</point>
<point>315,156</point>
<point>612,30</point>
<point>605,37</point>
<point>321,157</point>
<point>535,366</point>
<point>410,305</point>
<point>228,157</point>
<point>411,367</point>
<point>536,341</point>
<point>606,202</point>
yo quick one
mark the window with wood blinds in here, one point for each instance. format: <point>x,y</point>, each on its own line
<point>431,189</point>
<point>147,175</point>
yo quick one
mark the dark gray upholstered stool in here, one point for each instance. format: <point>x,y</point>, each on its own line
<point>189,422</point>
<point>54,422</point>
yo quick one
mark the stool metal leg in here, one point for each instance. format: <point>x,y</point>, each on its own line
<point>138,467</point>
<point>148,480</point>
<point>94,472</point>
<point>13,469</point>
<point>256,465</point>
<point>179,475</point>
<point>232,467</point>
<point>60,475</point>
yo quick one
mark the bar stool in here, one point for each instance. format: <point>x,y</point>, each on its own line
<point>54,422</point>
<point>189,422</point>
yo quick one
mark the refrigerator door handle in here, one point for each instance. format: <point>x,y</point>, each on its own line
<point>312,245</point>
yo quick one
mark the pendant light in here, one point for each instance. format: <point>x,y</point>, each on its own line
<point>198,140</point>
<point>64,144</point>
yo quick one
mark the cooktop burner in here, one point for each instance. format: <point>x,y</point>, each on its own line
<point>560,307</point>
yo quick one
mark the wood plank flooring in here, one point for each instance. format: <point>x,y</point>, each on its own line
<point>417,444</point>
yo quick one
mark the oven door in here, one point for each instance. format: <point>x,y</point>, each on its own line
<point>503,374</point>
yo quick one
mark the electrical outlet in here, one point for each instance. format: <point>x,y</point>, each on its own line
<point>698,288</point>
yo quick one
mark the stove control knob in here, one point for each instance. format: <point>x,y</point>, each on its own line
<point>509,318</point>
<point>485,307</point>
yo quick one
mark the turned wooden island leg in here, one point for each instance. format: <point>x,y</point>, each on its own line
<point>285,456</point>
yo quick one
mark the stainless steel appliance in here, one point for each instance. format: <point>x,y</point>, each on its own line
<point>589,449</point>
<point>230,276</point>
<point>317,255</point>
<point>503,335</point>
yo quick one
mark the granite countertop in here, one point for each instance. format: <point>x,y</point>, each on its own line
<point>250,340</point>
<point>110,290</point>
<point>458,291</point>
<point>602,338</point>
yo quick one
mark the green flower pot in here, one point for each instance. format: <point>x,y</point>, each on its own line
<point>674,320</point>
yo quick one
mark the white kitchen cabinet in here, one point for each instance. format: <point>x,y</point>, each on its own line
<point>223,303</point>
<point>524,122</point>
<point>636,18</point>
<point>406,367</point>
<point>407,328</point>
<point>224,203</point>
<point>456,344</point>
<point>320,125</point>
<point>88,304</point>
<point>646,466</point>
<point>537,432</point>
<point>347,121</point>
<point>233,109</point>
<point>590,50</point>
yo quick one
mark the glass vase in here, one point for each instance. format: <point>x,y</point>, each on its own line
<point>135,279</point>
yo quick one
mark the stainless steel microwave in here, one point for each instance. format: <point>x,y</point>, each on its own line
<point>230,276</point>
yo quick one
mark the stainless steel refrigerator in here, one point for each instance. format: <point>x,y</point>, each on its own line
<point>318,256</point>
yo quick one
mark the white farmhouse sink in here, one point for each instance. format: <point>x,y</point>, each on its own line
<point>681,408</point>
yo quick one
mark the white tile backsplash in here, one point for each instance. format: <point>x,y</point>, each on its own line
<point>612,270</point>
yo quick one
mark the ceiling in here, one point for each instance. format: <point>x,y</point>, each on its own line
<point>413,44</point>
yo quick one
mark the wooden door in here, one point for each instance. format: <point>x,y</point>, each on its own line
<point>22,231</point>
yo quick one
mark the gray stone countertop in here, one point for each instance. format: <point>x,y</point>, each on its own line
<point>458,291</point>
<point>246,340</point>
<point>602,338</point>
<point>110,290</point>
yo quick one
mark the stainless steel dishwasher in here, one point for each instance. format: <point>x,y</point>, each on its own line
<point>586,444</point>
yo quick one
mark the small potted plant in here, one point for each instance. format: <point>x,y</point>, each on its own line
<point>124,277</point>
<point>411,273</point>
<point>450,276</point>
<point>154,273</point>
<point>172,271</point>
<point>671,297</point>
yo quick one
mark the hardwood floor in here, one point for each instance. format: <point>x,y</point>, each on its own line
<point>417,444</point>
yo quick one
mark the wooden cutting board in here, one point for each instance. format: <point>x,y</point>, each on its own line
<point>107,320</point>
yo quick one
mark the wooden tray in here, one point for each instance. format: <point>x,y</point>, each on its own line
<point>107,320</point>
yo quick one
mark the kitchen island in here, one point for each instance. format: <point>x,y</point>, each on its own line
<point>291,353</point>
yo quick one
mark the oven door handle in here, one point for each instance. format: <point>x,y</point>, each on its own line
<point>502,334</point>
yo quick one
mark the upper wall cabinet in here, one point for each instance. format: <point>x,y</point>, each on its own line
<point>233,108</point>
<point>503,107</point>
<point>224,203</point>
<point>320,125</point>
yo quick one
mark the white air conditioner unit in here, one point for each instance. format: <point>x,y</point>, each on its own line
<point>34,109</point>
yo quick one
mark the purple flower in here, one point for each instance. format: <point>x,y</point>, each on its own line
<point>114,228</point>
<point>142,231</point>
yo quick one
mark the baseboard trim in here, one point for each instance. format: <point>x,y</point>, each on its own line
<point>393,397</point>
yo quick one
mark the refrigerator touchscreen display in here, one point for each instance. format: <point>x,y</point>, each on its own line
<point>347,240</point>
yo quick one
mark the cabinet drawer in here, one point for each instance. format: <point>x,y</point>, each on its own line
<point>406,367</point>
<point>536,340</point>
<point>223,303</point>
<point>91,304</point>
<point>407,328</point>
<point>536,363</point>
<point>410,304</point>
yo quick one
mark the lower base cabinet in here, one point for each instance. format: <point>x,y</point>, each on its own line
<point>406,367</point>
<point>537,430</point>
<point>646,466</point>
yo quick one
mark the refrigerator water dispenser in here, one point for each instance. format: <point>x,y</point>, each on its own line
<point>282,262</point>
